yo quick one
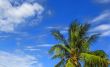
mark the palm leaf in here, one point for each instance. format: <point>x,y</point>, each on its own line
<point>70,63</point>
<point>93,60</point>
<point>100,53</point>
<point>61,47</point>
<point>61,63</point>
<point>92,38</point>
<point>84,30</point>
<point>59,36</point>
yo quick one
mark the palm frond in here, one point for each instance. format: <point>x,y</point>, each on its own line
<point>69,63</point>
<point>83,30</point>
<point>59,55</point>
<point>73,33</point>
<point>59,46</point>
<point>100,53</point>
<point>92,38</point>
<point>87,41</point>
<point>93,60</point>
<point>61,63</point>
<point>59,36</point>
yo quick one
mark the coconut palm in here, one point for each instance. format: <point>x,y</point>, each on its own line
<point>76,48</point>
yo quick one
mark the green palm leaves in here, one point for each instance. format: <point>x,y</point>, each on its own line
<point>77,48</point>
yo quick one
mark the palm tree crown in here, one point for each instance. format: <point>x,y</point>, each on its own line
<point>76,48</point>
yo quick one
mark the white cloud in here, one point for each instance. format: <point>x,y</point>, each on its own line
<point>12,16</point>
<point>103,16</point>
<point>103,27</point>
<point>4,36</point>
<point>63,29</point>
<point>32,48</point>
<point>13,60</point>
<point>53,27</point>
<point>106,33</point>
<point>45,45</point>
<point>37,47</point>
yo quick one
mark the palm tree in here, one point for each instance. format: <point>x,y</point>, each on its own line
<point>76,48</point>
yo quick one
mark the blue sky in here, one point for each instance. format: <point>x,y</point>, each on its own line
<point>25,27</point>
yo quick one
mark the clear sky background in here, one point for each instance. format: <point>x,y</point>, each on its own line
<point>25,27</point>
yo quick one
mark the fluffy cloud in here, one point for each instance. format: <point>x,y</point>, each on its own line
<point>13,60</point>
<point>11,16</point>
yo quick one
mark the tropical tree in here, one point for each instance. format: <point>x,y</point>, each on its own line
<point>75,49</point>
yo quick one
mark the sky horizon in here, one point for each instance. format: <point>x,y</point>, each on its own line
<point>25,28</point>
